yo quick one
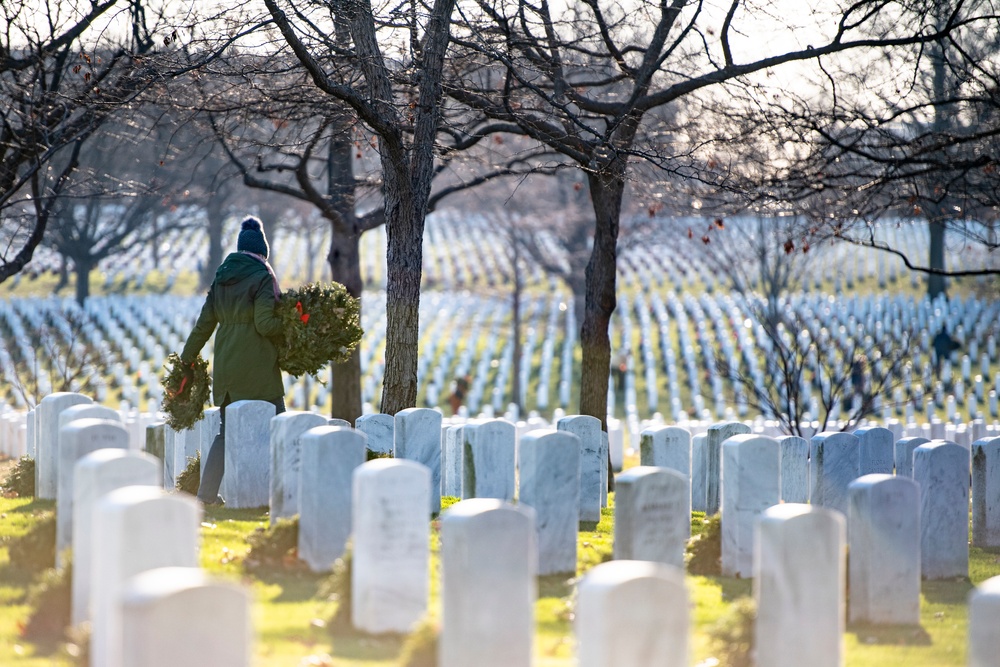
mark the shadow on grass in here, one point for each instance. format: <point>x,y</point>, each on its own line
<point>734,588</point>
<point>296,585</point>
<point>892,635</point>
<point>217,513</point>
<point>947,591</point>
<point>350,644</point>
<point>33,507</point>
<point>556,585</point>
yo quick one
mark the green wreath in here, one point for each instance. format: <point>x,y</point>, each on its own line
<point>185,394</point>
<point>322,324</point>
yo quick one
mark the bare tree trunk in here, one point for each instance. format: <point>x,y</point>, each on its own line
<point>405,258</point>
<point>82,268</point>
<point>606,189</point>
<point>936,282</point>
<point>215,223</point>
<point>516,388</point>
<point>345,378</point>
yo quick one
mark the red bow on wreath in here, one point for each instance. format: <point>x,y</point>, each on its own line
<point>302,316</point>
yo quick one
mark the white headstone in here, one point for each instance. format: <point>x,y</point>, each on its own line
<point>941,469</point>
<point>751,481</point>
<point>834,462</point>
<point>666,447</point>
<point>549,482</point>
<point>699,472</point>
<point>794,469</point>
<point>716,435</point>
<point>248,454</point>
<point>488,460</point>
<point>876,450</point>
<point>330,454</point>
<point>632,614</point>
<point>984,618</point>
<point>47,440</point>
<point>180,616</point>
<point>95,475</point>
<point>903,454</point>
<point>417,437</point>
<point>452,471</point>
<point>489,561</point>
<point>286,456</point>
<point>799,586</point>
<point>592,462</point>
<point>379,430</point>
<point>77,439</point>
<point>652,515</point>
<point>986,492</point>
<point>136,528</point>
<point>883,531</point>
<point>391,545</point>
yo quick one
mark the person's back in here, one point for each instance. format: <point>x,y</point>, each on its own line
<point>241,304</point>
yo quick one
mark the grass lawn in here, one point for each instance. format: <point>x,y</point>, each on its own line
<point>291,607</point>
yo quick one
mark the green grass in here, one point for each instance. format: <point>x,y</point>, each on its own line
<point>290,612</point>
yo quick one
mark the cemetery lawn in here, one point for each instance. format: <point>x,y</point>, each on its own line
<point>292,609</point>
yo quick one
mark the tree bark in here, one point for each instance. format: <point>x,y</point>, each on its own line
<point>214,210</point>
<point>606,190</point>
<point>82,268</point>
<point>936,282</point>
<point>345,378</point>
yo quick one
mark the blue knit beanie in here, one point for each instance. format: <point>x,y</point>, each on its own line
<point>252,237</point>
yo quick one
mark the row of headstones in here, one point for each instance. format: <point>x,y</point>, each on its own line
<point>742,474</point>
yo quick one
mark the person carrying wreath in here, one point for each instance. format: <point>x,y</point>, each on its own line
<point>240,303</point>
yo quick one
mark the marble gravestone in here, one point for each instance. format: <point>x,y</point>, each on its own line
<point>417,437</point>
<point>799,586</point>
<point>155,440</point>
<point>794,469</point>
<point>378,428</point>
<point>592,462</point>
<point>652,515</point>
<point>180,616</point>
<point>47,440</point>
<point>903,454</point>
<point>77,439</point>
<point>632,614</point>
<point>751,480</point>
<point>716,435</point>
<point>984,618</point>
<point>286,457</point>
<point>549,483</point>
<point>488,460</point>
<point>699,463</point>
<point>95,475</point>
<point>883,537</point>
<point>876,450</point>
<point>248,454</point>
<point>211,423</point>
<point>489,561</point>
<point>941,468</point>
<point>451,461</point>
<point>834,462</point>
<point>136,528</point>
<point>391,545</point>
<point>329,455</point>
<point>986,492</point>
<point>666,447</point>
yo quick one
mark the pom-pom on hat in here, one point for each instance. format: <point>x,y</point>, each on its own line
<point>252,237</point>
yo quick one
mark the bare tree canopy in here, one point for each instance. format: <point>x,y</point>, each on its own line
<point>65,68</point>
<point>584,81</point>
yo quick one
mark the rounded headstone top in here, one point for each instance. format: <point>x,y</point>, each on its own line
<point>616,572</point>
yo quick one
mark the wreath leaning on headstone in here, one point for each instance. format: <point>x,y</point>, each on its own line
<point>185,392</point>
<point>322,324</point>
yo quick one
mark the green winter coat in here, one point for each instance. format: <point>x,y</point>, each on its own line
<point>241,302</point>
